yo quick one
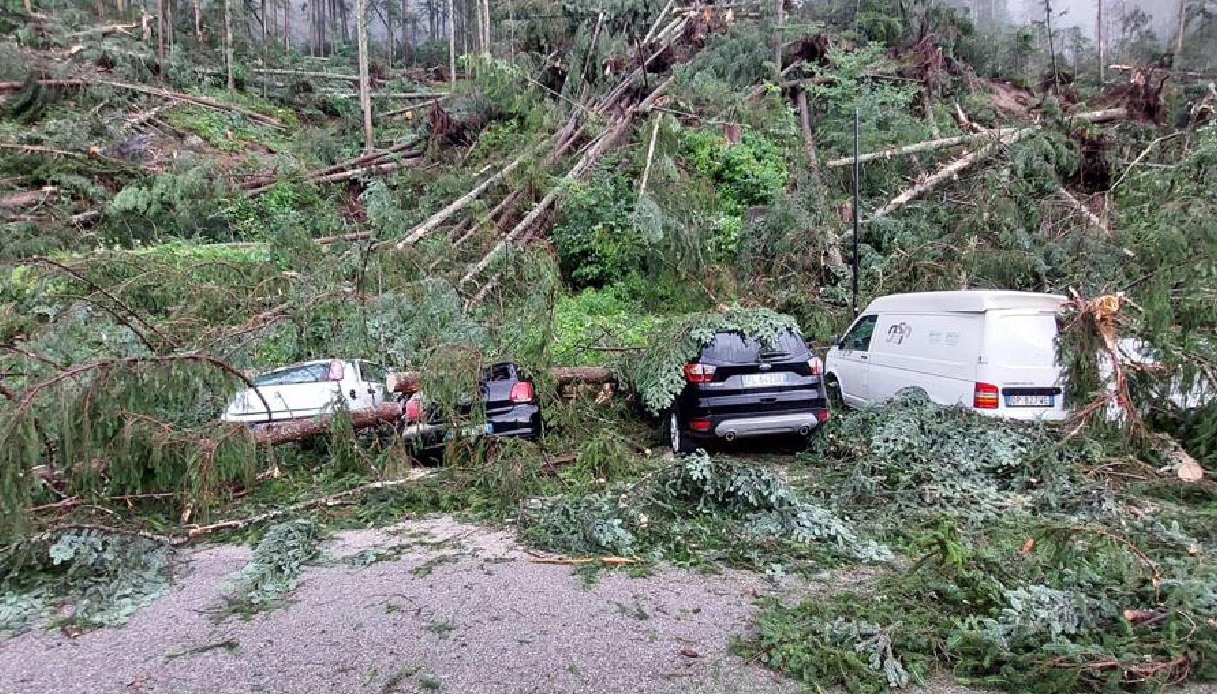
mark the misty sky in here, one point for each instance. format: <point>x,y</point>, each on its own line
<point>1081,13</point>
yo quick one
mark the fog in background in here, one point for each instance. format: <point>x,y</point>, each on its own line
<point>1082,14</point>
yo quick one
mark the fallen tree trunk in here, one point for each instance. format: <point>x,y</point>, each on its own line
<point>953,168</point>
<point>277,433</point>
<point>926,146</point>
<point>581,168</point>
<point>457,205</point>
<point>808,136</point>
<point>1090,217</point>
<point>197,100</point>
<point>409,382</point>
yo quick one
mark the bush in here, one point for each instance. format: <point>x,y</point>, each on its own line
<point>597,241</point>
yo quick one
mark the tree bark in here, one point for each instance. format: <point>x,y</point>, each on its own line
<point>926,146</point>
<point>365,88</point>
<point>778,16</point>
<point>228,52</point>
<point>287,24</point>
<point>1101,37</point>
<point>451,44</point>
<point>160,34</point>
<point>1179,33</point>
<point>808,136</point>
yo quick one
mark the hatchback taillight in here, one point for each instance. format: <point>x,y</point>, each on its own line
<point>699,373</point>
<point>816,366</point>
<point>414,410</point>
<point>985,396</point>
<point>522,392</point>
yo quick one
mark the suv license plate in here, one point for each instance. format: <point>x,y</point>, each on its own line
<point>761,380</point>
<point>1029,401</point>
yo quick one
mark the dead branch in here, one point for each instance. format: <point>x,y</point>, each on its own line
<point>646,172</point>
<point>329,500</point>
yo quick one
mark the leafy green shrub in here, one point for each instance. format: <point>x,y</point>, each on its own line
<point>658,375</point>
<point>597,318</point>
<point>597,241</point>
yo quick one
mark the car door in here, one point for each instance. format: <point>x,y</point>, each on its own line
<point>368,386</point>
<point>850,361</point>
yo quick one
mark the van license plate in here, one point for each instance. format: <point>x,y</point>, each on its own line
<point>1029,401</point>
<point>762,380</point>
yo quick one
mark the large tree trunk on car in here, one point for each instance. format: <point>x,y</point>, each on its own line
<point>287,432</point>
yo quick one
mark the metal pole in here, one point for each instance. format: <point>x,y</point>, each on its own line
<point>857,148</point>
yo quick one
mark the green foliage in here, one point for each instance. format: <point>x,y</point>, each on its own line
<point>745,511</point>
<point>101,578</point>
<point>658,375</point>
<point>597,241</point>
<point>597,318</point>
<point>274,570</point>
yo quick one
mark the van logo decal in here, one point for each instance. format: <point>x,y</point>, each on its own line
<point>897,333</point>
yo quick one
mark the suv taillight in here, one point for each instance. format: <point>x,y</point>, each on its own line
<point>522,392</point>
<point>699,373</point>
<point>414,410</point>
<point>816,366</point>
<point>984,397</point>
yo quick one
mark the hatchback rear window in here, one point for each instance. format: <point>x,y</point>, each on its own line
<point>309,373</point>
<point>732,348</point>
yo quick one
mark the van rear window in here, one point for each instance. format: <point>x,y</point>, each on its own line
<point>732,348</point>
<point>1028,340</point>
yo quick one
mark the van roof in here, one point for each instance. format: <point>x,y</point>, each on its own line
<point>976,301</point>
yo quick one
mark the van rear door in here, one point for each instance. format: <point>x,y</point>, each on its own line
<point>1019,359</point>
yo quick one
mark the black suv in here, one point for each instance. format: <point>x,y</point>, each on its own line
<point>507,399</point>
<point>738,388</point>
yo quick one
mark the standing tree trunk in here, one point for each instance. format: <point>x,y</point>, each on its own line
<point>388,19</point>
<point>197,6</point>
<point>1179,34</point>
<point>287,24</point>
<point>365,88</point>
<point>777,39</point>
<point>160,34</point>
<point>451,44</point>
<point>228,53</point>
<point>1056,74</point>
<point>29,7</point>
<point>1100,37</point>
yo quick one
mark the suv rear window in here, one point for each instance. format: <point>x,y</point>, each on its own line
<point>732,348</point>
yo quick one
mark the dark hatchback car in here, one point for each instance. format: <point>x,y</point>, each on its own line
<point>507,407</point>
<point>738,388</point>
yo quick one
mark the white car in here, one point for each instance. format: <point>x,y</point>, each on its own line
<point>308,389</point>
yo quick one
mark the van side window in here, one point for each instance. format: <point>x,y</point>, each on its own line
<point>858,339</point>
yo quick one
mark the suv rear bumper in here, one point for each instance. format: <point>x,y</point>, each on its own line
<point>765,425</point>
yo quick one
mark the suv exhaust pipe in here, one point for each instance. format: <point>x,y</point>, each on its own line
<point>729,436</point>
<point>804,430</point>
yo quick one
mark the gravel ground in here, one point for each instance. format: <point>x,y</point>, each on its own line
<point>454,608</point>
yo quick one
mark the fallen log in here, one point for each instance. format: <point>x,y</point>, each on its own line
<point>581,168</point>
<point>926,146</point>
<point>409,382</point>
<point>196,100</point>
<point>276,433</point>
<point>26,198</point>
<point>953,168</point>
<point>808,136</point>
<point>460,203</point>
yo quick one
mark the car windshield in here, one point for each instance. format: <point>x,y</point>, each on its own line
<point>733,348</point>
<point>308,373</point>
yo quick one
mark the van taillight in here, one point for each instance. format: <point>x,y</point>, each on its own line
<point>985,396</point>
<point>522,392</point>
<point>414,410</point>
<point>699,373</point>
<point>816,366</point>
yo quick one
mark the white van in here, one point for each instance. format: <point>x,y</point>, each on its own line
<point>993,351</point>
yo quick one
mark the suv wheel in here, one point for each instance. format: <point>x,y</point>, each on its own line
<point>676,436</point>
